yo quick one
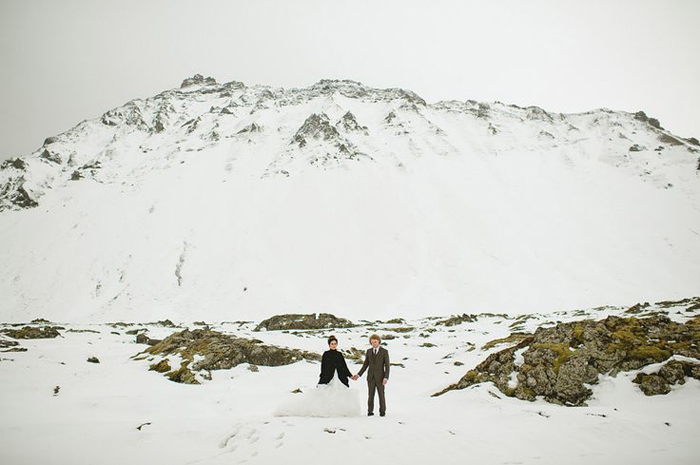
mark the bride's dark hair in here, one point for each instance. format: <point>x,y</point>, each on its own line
<point>331,339</point>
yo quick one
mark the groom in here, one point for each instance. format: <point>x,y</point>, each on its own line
<point>377,360</point>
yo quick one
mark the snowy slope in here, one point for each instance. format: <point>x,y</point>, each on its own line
<point>94,415</point>
<point>226,201</point>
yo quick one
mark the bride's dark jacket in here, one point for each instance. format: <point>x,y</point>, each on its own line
<point>331,361</point>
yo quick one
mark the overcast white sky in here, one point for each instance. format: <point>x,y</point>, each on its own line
<point>65,61</point>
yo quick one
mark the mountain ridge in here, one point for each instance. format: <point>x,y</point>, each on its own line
<point>216,198</point>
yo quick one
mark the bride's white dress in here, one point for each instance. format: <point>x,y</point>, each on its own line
<point>325,400</point>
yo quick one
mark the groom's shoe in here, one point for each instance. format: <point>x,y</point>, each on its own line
<point>369,414</point>
<point>381,414</point>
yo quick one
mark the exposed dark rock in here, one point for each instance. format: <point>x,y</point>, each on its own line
<point>220,351</point>
<point>641,116</point>
<point>667,139</point>
<point>133,332</point>
<point>672,372</point>
<point>316,126</point>
<point>13,194</point>
<point>349,123</point>
<point>535,113</point>
<point>636,148</point>
<point>32,332</point>
<point>252,127</point>
<point>458,320</point>
<point>483,110</point>
<point>198,79</point>
<point>16,163</point>
<point>165,323</point>
<point>303,321</point>
<point>16,349</point>
<point>93,360</point>
<point>676,303</point>
<point>559,360</point>
<point>91,168</point>
<point>354,354</point>
<point>637,308</point>
<point>403,329</point>
<point>143,339</point>
<point>50,156</point>
<point>161,367</point>
<point>129,114</point>
<point>512,338</point>
<point>120,324</point>
<point>5,343</point>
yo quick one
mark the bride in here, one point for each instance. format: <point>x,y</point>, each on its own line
<point>332,396</point>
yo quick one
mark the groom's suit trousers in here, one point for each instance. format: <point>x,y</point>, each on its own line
<point>372,385</point>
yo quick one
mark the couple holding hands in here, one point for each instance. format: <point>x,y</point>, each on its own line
<point>333,395</point>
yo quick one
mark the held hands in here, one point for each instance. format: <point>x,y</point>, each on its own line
<point>384,381</point>
<point>355,377</point>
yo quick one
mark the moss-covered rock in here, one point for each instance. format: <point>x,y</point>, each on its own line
<point>458,320</point>
<point>303,321</point>
<point>672,372</point>
<point>4,343</point>
<point>560,360</point>
<point>161,367</point>
<point>512,338</point>
<point>218,351</point>
<point>133,332</point>
<point>403,329</point>
<point>141,338</point>
<point>354,354</point>
<point>34,332</point>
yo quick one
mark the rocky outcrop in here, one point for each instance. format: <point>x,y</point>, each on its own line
<point>558,361</point>
<point>673,372</point>
<point>16,163</point>
<point>198,79</point>
<point>458,320</point>
<point>218,351</point>
<point>4,343</point>
<point>33,332</point>
<point>349,123</point>
<point>641,116</point>
<point>303,321</point>
<point>318,127</point>
<point>13,195</point>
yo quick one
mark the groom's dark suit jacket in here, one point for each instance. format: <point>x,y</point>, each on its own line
<point>377,365</point>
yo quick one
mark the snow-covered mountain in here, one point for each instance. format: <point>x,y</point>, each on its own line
<point>227,201</point>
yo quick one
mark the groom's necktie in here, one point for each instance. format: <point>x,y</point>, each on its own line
<point>375,351</point>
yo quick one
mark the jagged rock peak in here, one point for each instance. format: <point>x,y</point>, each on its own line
<point>337,83</point>
<point>349,123</point>
<point>316,126</point>
<point>198,79</point>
